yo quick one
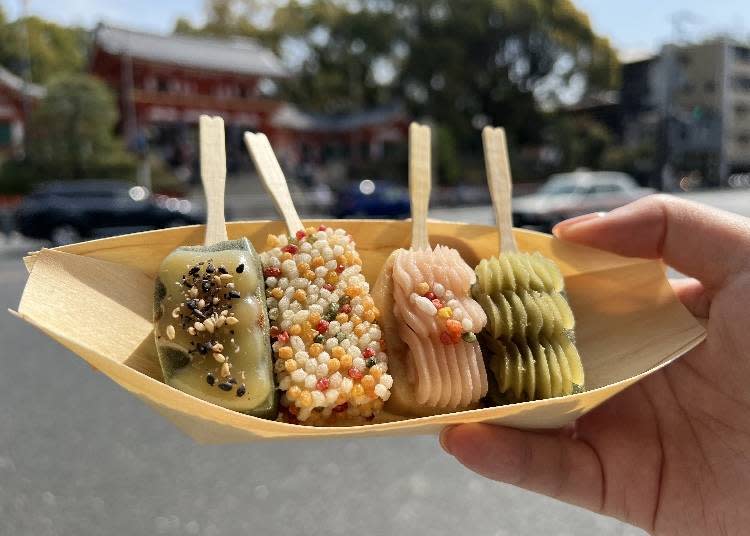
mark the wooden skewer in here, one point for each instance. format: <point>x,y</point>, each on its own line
<point>214,175</point>
<point>273,179</point>
<point>501,184</point>
<point>420,182</point>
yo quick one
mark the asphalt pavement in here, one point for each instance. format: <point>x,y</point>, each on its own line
<point>79,456</point>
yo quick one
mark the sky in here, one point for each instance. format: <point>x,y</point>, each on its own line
<point>634,26</point>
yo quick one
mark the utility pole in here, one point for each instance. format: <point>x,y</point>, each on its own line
<point>25,73</point>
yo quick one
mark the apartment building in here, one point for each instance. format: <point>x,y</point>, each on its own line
<point>693,103</point>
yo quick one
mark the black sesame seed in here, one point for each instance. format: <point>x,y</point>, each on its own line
<point>232,381</point>
<point>225,386</point>
<point>210,379</point>
<point>203,348</point>
<point>240,268</point>
<point>234,294</point>
<point>194,270</point>
<point>223,269</point>
<point>192,304</point>
<point>210,268</point>
<point>206,286</point>
<point>370,362</point>
<point>241,390</point>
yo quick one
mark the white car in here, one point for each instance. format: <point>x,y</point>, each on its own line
<point>566,195</point>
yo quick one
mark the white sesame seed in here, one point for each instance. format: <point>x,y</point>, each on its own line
<point>209,325</point>
<point>199,326</point>
<point>170,332</point>
<point>231,321</point>
<point>176,312</point>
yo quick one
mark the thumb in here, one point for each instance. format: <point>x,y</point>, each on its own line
<point>702,242</point>
<point>555,465</point>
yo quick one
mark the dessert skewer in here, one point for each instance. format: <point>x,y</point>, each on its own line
<point>429,317</point>
<point>211,324</point>
<point>330,359</point>
<point>529,338</point>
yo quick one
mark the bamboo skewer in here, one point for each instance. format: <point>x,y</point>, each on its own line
<point>501,184</point>
<point>213,175</point>
<point>273,179</point>
<point>420,182</point>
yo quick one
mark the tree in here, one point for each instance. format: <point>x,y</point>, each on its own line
<point>53,50</point>
<point>71,137</point>
<point>462,63</point>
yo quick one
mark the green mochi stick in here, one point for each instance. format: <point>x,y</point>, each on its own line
<point>211,326</point>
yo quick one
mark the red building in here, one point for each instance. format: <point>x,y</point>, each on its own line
<point>14,95</point>
<point>164,83</point>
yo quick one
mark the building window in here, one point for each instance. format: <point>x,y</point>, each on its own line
<point>741,110</point>
<point>161,85</point>
<point>684,59</point>
<point>742,83</point>
<point>5,134</point>
<point>709,86</point>
<point>742,53</point>
<point>744,138</point>
<point>687,88</point>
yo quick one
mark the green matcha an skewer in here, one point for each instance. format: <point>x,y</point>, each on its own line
<point>211,323</point>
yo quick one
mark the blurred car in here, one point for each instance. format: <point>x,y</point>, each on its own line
<point>371,199</point>
<point>566,195</point>
<point>66,212</point>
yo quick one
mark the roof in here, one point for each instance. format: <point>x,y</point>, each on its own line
<point>17,84</point>
<point>235,55</point>
<point>289,116</point>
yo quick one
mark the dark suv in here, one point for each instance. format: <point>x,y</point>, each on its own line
<point>66,212</point>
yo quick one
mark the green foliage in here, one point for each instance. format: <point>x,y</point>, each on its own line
<point>583,142</point>
<point>71,136</point>
<point>53,50</point>
<point>462,63</point>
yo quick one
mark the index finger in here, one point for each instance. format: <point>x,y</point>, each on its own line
<point>702,242</point>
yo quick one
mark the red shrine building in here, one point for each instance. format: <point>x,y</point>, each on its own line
<point>15,98</point>
<point>165,82</point>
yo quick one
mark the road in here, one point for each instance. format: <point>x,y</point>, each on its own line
<point>79,456</point>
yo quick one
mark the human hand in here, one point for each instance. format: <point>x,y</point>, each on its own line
<point>671,454</point>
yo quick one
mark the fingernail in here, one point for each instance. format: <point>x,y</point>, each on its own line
<point>444,439</point>
<point>567,225</point>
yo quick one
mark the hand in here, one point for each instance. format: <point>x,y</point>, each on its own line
<point>671,454</point>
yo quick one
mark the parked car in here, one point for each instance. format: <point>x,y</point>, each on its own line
<point>372,199</point>
<point>566,195</point>
<point>66,212</point>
